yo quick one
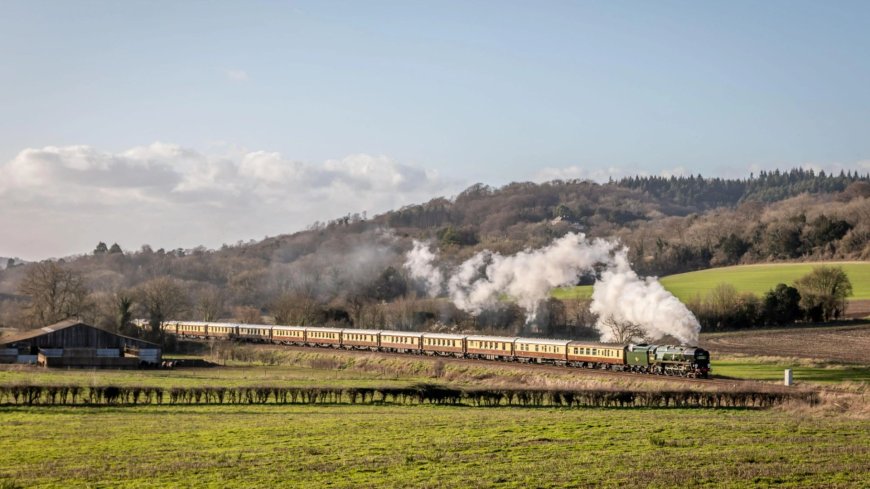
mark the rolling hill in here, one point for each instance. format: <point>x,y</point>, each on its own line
<point>757,279</point>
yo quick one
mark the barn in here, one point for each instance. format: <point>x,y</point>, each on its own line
<point>72,343</point>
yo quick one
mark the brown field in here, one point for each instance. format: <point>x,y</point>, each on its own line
<point>858,309</point>
<point>846,344</point>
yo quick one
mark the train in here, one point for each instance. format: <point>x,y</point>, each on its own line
<point>675,360</point>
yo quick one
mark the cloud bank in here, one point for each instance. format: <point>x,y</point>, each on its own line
<point>63,200</point>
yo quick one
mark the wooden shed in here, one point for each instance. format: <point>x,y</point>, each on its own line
<point>72,343</point>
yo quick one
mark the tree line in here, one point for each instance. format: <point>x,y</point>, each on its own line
<point>818,296</point>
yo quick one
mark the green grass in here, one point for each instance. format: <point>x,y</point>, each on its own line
<point>752,369</point>
<point>577,292</point>
<point>427,446</point>
<point>757,279</point>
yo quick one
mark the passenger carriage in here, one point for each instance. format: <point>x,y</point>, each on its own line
<point>360,339</point>
<point>401,342</point>
<point>221,330</point>
<point>288,335</point>
<point>490,347</point>
<point>323,337</point>
<point>254,332</point>
<point>541,350</point>
<point>596,355</point>
<point>444,344</point>
<point>191,329</point>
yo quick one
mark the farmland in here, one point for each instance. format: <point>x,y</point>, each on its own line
<point>843,344</point>
<point>757,279</point>
<point>425,445</point>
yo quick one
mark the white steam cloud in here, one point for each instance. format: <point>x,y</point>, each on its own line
<point>420,262</point>
<point>622,295</point>
<point>530,275</point>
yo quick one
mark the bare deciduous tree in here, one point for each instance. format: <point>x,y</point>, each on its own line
<point>247,315</point>
<point>210,303</point>
<point>163,298</point>
<point>623,331</point>
<point>56,293</point>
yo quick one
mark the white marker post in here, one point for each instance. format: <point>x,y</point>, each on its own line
<point>788,377</point>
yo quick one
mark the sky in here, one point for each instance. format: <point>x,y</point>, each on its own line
<point>179,124</point>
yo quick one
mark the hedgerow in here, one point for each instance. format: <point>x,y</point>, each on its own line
<point>49,395</point>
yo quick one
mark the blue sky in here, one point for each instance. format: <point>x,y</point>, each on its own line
<point>457,92</point>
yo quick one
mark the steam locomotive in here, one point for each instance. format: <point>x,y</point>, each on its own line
<point>673,360</point>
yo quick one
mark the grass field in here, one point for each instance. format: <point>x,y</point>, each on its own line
<point>772,369</point>
<point>427,446</point>
<point>757,279</point>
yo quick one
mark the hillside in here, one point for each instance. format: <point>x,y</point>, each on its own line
<point>350,270</point>
<point>757,279</point>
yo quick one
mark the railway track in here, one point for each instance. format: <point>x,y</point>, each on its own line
<point>534,367</point>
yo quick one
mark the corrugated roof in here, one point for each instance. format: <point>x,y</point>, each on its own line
<point>51,328</point>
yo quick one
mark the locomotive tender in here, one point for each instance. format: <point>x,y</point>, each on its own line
<point>681,361</point>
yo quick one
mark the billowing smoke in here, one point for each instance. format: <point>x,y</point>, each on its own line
<point>420,263</point>
<point>624,297</point>
<point>528,277</point>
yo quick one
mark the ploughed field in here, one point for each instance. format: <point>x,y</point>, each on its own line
<point>847,344</point>
<point>757,279</point>
<point>428,446</point>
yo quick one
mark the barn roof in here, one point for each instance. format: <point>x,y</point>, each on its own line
<point>67,323</point>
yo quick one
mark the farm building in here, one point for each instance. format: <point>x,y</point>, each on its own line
<point>72,343</point>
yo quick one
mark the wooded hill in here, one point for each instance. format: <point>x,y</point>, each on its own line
<point>349,270</point>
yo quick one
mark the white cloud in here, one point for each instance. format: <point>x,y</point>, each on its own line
<point>575,172</point>
<point>862,167</point>
<point>237,75</point>
<point>62,200</point>
<point>603,174</point>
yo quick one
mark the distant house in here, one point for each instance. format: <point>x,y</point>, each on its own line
<point>72,343</point>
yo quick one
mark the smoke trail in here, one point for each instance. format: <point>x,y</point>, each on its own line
<point>420,262</point>
<point>528,277</point>
<point>624,296</point>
